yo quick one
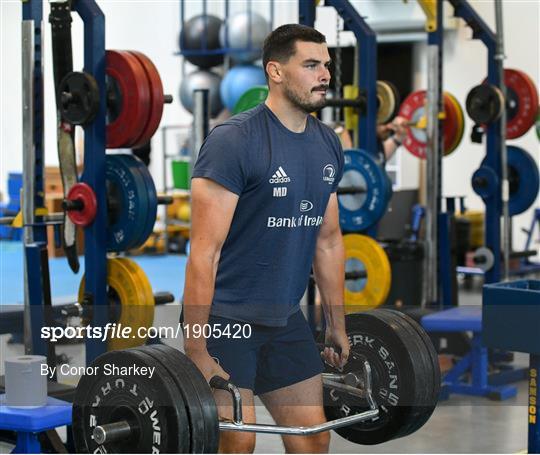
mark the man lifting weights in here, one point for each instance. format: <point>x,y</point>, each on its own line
<point>264,209</point>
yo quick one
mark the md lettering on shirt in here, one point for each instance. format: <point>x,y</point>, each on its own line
<point>293,222</point>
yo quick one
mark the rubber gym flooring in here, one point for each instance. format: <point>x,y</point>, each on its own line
<point>460,425</point>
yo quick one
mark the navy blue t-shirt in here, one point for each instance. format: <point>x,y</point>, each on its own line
<point>283,180</point>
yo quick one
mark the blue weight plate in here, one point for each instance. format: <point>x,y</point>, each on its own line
<point>358,212</point>
<point>125,184</point>
<point>524,180</point>
<point>151,211</point>
<point>524,191</point>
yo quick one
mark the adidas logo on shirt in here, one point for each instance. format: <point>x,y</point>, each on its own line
<point>280,176</point>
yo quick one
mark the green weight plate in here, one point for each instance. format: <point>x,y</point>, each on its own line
<point>538,124</point>
<point>251,98</point>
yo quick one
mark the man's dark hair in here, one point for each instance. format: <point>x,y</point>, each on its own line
<point>280,45</point>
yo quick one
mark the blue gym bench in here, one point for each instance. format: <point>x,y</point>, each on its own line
<point>28,422</point>
<point>470,376</point>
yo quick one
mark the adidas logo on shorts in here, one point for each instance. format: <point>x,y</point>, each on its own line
<point>280,176</point>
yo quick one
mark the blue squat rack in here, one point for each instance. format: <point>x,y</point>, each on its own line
<point>28,422</point>
<point>94,175</point>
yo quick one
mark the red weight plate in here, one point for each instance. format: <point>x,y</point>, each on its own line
<point>413,109</point>
<point>84,193</point>
<point>527,101</point>
<point>524,88</point>
<point>156,98</point>
<point>133,88</point>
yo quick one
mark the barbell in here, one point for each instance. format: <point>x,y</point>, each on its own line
<point>388,389</point>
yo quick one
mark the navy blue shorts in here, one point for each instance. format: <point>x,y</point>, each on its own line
<point>271,358</point>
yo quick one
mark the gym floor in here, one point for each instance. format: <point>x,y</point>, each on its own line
<point>461,424</point>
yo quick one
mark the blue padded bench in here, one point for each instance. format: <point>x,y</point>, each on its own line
<point>28,422</point>
<point>479,382</point>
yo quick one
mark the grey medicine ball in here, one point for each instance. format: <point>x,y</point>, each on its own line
<point>198,80</point>
<point>239,35</point>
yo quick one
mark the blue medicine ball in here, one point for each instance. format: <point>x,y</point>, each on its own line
<point>237,80</point>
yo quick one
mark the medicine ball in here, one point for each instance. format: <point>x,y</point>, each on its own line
<point>237,80</point>
<point>202,33</point>
<point>242,35</point>
<point>198,80</point>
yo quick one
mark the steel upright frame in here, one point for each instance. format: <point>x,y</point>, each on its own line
<point>94,175</point>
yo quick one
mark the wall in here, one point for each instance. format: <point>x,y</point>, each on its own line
<point>153,26</point>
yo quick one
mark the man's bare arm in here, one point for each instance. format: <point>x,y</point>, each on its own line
<point>212,209</point>
<point>329,270</point>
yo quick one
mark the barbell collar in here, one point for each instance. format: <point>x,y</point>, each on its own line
<point>164,200</point>
<point>353,275</point>
<point>72,310</point>
<point>72,205</point>
<point>112,432</point>
<point>66,98</point>
<point>480,182</point>
<point>162,298</point>
<point>351,190</point>
<point>358,103</point>
<point>356,275</point>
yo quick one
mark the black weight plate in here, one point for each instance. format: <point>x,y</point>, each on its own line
<point>182,369</point>
<point>153,406</point>
<point>424,373</point>
<point>484,104</point>
<point>189,394</point>
<point>375,336</point>
<point>433,373</point>
<point>79,98</point>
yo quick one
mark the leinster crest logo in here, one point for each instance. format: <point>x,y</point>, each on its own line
<point>329,173</point>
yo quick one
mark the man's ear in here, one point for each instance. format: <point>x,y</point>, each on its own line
<point>274,71</point>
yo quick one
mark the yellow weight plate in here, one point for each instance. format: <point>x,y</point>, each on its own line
<point>350,92</point>
<point>135,296</point>
<point>184,211</point>
<point>460,123</point>
<point>362,252</point>
<point>476,218</point>
<point>386,102</point>
<point>141,313</point>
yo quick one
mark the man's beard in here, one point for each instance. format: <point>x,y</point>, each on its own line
<point>306,106</point>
